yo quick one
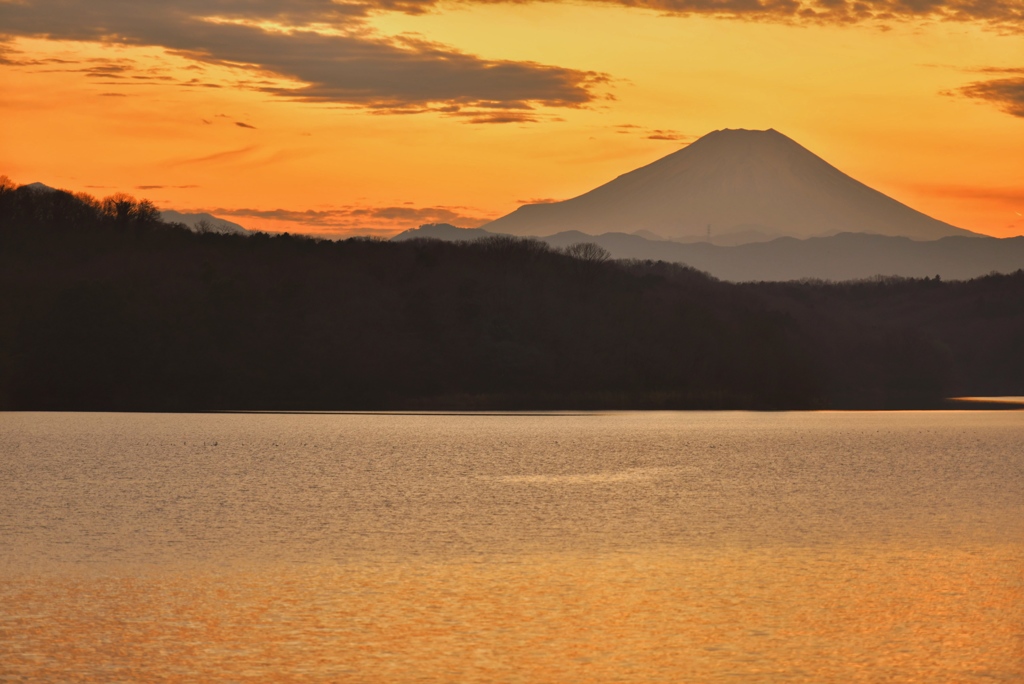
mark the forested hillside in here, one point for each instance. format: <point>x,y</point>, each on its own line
<point>105,307</point>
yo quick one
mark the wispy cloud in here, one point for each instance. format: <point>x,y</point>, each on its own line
<point>668,134</point>
<point>216,156</point>
<point>998,70</point>
<point>1004,14</point>
<point>360,219</point>
<point>1005,93</point>
<point>653,133</point>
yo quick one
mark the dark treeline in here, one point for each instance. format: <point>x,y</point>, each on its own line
<point>105,307</point>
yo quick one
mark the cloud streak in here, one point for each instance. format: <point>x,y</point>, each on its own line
<point>1005,93</point>
<point>1007,14</point>
<point>359,219</point>
<point>654,133</point>
<point>225,155</point>
<point>669,134</point>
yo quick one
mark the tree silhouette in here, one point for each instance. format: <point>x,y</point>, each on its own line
<point>125,210</point>
<point>589,252</point>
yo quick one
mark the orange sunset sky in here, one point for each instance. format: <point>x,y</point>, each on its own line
<point>342,118</point>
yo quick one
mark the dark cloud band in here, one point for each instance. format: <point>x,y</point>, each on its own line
<point>1005,93</point>
<point>322,51</point>
<point>348,65</point>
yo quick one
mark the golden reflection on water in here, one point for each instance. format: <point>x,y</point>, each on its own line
<point>795,614</point>
<point>635,547</point>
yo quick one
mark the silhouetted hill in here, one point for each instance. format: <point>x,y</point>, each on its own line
<point>197,222</point>
<point>106,307</point>
<point>847,256</point>
<point>751,185</point>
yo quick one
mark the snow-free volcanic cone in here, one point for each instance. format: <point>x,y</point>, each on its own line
<point>750,185</point>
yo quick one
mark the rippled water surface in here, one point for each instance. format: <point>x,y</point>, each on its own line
<point>618,547</point>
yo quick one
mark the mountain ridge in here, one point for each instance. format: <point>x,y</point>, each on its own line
<point>845,256</point>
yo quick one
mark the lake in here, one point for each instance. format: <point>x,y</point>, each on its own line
<point>615,547</point>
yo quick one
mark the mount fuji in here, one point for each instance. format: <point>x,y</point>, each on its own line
<point>734,186</point>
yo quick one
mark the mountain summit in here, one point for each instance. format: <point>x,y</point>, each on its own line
<point>739,185</point>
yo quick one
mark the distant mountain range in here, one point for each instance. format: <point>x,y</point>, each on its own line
<point>40,187</point>
<point>202,221</point>
<point>846,256</point>
<point>736,186</point>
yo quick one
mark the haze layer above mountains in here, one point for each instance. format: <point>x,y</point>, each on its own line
<point>745,185</point>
